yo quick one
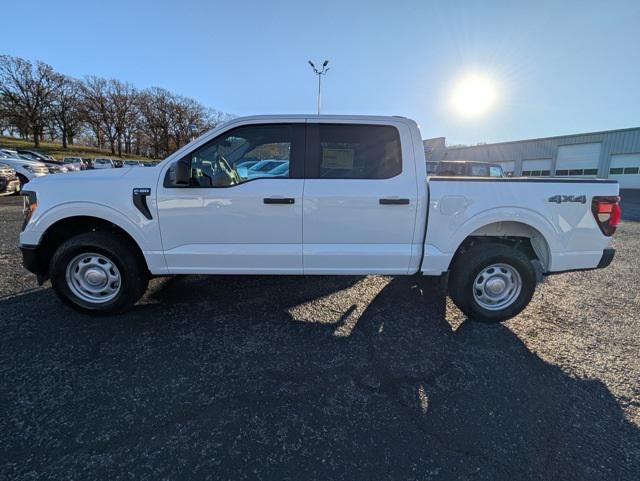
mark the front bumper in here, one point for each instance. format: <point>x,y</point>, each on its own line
<point>33,263</point>
<point>30,258</point>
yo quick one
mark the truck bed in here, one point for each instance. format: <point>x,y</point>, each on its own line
<point>554,212</point>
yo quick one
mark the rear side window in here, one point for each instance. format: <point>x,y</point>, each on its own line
<point>451,168</point>
<point>345,151</point>
<point>479,170</point>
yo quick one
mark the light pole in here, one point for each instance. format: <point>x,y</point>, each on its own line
<point>320,73</point>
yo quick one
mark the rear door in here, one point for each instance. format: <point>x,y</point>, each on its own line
<point>360,198</point>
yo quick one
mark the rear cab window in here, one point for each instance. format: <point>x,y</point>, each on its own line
<point>352,151</point>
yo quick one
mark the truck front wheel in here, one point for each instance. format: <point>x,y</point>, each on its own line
<point>98,272</point>
<point>492,282</point>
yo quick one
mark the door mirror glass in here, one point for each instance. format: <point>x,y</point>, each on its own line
<point>178,174</point>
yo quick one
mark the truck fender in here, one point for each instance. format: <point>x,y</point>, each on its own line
<point>141,234</point>
<point>525,217</point>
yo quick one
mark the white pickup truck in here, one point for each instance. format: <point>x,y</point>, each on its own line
<point>344,195</point>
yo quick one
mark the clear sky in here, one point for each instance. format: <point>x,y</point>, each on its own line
<point>554,67</point>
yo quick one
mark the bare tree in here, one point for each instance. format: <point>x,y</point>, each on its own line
<point>66,109</point>
<point>155,110</point>
<point>187,117</point>
<point>36,101</point>
<point>27,92</point>
<point>96,94</point>
<point>121,104</point>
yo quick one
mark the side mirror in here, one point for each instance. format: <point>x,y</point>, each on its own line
<point>182,174</point>
<point>178,175</point>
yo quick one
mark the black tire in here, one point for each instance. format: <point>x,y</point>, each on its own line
<point>134,276</point>
<point>468,265</point>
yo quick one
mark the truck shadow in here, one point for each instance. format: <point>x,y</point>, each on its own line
<point>290,378</point>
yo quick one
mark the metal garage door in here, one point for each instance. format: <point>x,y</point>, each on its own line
<point>578,159</point>
<point>625,168</point>
<point>536,167</point>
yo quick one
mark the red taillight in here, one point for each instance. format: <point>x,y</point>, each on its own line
<point>606,210</point>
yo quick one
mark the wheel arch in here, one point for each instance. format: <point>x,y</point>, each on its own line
<point>65,228</point>
<point>522,235</point>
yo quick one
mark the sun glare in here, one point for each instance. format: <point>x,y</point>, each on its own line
<point>473,95</point>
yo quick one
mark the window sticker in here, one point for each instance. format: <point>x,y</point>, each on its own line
<point>337,158</point>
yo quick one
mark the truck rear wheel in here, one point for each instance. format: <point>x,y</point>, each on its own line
<point>98,272</point>
<point>492,282</point>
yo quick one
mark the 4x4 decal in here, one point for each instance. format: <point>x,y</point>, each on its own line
<point>559,199</point>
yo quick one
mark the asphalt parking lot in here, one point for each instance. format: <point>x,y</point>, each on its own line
<point>322,378</point>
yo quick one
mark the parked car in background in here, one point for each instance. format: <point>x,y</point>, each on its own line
<point>88,163</point>
<point>247,164</point>
<point>102,163</point>
<point>117,163</point>
<point>10,153</point>
<point>260,167</point>
<point>132,163</point>
<point>9,182</point>
<point>281,170</point>
<point>54,166</point>
<point>76,162</point>
<point>464,168</point>
<point>26,170</point>
<point>35,155</point>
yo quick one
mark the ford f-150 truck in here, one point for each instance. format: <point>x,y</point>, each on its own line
<point>347,195</point>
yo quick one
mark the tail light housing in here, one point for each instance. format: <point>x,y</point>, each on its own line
<point>606,210</point>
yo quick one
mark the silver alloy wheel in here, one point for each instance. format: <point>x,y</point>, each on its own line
<point>93,278</point>
<point>497,286</point>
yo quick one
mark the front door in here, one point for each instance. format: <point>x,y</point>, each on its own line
<point>242,210</point>
<point>360,200</point>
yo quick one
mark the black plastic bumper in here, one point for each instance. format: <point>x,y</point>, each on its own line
<point>607,257</point>
<point>30,259</point>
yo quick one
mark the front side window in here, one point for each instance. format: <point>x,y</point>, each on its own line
<point>344,151</point>
<point>247,153</point>
<point>479,170</point>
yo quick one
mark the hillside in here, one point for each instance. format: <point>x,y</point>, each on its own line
<point>57,152</point>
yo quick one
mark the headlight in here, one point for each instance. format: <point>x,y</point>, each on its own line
<point>30,202</point>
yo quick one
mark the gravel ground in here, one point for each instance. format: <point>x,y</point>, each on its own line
<point>322,378</point>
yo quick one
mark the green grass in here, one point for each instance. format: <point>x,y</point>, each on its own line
<point>57,152</point>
